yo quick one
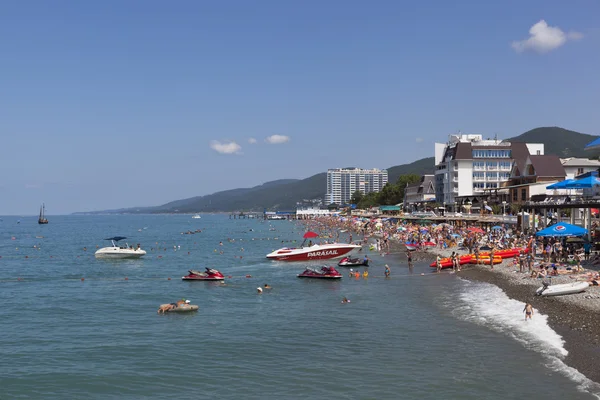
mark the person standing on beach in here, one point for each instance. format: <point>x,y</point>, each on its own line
<point>409,257</point>
<point>438,263</point>
<point>387,271</point>
<point>528,310</point>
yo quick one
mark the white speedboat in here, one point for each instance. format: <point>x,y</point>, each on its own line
<point>561,289</point>
<point>197,216</point>
<point>314,252</point>
<point>116,251</point>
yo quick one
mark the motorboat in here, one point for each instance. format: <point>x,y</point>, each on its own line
<point>196,216</point>
<point>561,289</point>
<point>313,251</point>
<point>209,275</point>
<point>353,262</point>
<point>276,218</point>
<point>116,251</point>
<point>324,273</point>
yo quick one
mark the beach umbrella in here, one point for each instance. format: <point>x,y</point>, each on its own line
<point>496,227</point>
<point>562,229</point>
<point>587,182</point>
<point>476,230</point>
<point>594,145</point>
<point>455,235</point>
<point>310,235</point>
<point>561,184</point>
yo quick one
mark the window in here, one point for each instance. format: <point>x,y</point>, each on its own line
<point>538,152</point>
<point>491,153</point>
<point>579,171</point>
<point>491,164</point>
<point>504,175</point>
<point>515,195</point>
<point>492,175</point>
<point>478,185</point>
<point>478,176</point>
<point>505,165</point>
<point>492,185</point>
<point>478,165</point>
<point>523,194</point>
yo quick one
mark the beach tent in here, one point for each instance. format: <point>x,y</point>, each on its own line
<point>587,182</point>
<point>562,229</point>
<point>496,227</point>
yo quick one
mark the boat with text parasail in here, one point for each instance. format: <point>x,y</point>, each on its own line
<point>313,251</point>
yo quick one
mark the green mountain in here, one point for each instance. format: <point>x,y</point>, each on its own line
<point>285,193</point>
<point>558,141</point>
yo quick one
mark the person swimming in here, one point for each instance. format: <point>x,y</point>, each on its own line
<point>345,300</point>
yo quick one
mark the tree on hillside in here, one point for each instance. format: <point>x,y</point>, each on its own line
<point>369,200</point>
<point>390,194</point>
<point>357,196</point>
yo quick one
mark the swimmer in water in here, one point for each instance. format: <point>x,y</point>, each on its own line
<point>345,300</point>
<point>267,286</point>
<point>528,311</point>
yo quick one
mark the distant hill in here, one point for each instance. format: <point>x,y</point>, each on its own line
<point>283,194</point>
<point>558,141</point>
<point>420,167</point>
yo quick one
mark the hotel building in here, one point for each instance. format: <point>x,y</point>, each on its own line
<point>468,165</point>
<point>343,182</point>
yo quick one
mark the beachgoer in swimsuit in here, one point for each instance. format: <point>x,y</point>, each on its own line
<point>528,311</point>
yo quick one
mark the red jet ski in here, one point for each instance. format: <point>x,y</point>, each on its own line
<point>353,262</point>
<point>208,275</point>
<point>325,273</point>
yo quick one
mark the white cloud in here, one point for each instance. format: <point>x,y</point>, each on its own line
<point>543,38</point>
<point>277,139</point>
<point>226,147</point>
<point>419,139</point>
<point>252,140</point>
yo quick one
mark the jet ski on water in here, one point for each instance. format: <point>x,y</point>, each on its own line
<point>353,262</point>
<point>209,275</point>
<point>324,273</point>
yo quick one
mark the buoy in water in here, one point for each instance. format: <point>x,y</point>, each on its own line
<point>169,278</point>
<point>248,276</point>
<point>126,278</point>
<point>82,279</point>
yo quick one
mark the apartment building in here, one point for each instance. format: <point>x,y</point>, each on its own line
<point>468,165</point>
<point>343,182</point>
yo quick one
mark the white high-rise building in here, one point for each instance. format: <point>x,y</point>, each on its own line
<point>468,165</point>
<point>343,182</point>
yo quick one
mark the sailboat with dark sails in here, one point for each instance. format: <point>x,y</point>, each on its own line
<point>42,219</point>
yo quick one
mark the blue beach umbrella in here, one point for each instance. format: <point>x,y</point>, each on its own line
<point>561,184</point>
<point>587,182</point>
<point>496,227</point>
<point>562,229</point>
<point>595,144</point>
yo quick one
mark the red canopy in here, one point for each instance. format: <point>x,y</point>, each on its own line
<point>310,235</point>
<point>476,230</point>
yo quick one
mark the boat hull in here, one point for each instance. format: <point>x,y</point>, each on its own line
<point>326,252</point>
<point>212,278</point>
<point>562,289</point>
<point>117,253</point>
<point>320,277</point>
<point>184,308</point>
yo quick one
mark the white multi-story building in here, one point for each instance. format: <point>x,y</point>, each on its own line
<point>343,182</point>
<point>578,166</point>
<point>468,165</point>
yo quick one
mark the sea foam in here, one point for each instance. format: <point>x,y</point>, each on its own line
<point>488,305</point>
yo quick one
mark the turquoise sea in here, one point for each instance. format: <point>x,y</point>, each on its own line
<point>411,336</point>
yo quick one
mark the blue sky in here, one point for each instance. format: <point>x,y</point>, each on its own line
<point>131,103</point>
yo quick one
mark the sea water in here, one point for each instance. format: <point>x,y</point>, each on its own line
<point>77,327</point>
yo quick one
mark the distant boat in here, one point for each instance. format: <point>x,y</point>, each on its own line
<point>197,216</point>
<point>42,219</point>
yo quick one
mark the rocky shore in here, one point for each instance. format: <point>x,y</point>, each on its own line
<point>575,317</point>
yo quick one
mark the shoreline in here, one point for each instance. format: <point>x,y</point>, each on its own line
<point>575,317</point>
